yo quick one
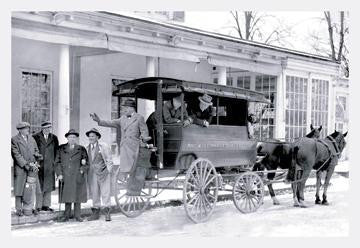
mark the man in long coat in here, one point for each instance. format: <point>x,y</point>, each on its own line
<point>48,145</point>
<point>134,133</point>
<point>71,168</point>
<point>24,152</point>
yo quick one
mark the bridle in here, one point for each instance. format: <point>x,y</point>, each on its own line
<point>336,146</point>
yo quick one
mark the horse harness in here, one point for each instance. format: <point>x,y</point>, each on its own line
<point>331,154</point>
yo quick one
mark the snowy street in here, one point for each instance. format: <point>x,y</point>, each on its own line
<point>226,221</point>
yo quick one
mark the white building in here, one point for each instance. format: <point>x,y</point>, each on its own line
<point>66,64</point>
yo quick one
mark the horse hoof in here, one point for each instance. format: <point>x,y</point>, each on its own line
<point>317,202</point>
<point>325,203</point>
<point>276,203</point>
<point>303,206</point>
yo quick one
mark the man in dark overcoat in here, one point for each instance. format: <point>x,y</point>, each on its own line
<point>71,166</point>
<point>24,152</point>
<point>48,145</point>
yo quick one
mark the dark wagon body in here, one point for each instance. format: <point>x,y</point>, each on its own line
<point>197,152</point>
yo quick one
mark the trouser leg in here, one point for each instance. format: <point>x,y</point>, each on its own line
<point>29,203</point>
<point>77,210</point>
<point>105,188</point>
<point>46,202</point>
<point>18,203</point>
<point>95,191</point>
<point>67,209</point>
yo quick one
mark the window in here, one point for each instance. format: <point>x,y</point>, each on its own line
<point>35,99</point>
<point>215,81</point>
<point>340,113</point>
<point>265,112</point>
<point>229,81</point>
<point>296,106</point>
<point>243,82</point>
<point>319,104</point>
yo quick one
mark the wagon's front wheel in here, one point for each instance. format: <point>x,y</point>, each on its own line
<point>248,192</point>
<point>131,206</point>
<point>200,190</point>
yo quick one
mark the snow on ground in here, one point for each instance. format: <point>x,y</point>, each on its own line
<point>226,221</point>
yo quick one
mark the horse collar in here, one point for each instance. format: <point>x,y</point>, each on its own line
<point>333,141</point>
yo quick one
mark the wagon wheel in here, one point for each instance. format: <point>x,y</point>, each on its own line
<point>131,206</point>
<point>248,192</point>
<point>200,190</point>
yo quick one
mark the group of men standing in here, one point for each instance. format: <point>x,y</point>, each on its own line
<point>81,171</point>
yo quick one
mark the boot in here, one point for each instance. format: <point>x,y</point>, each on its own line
<point>107,214</point>
<point>95,214</point>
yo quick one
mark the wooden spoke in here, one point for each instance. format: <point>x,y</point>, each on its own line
<point>131,206</point>
<point>248,192</point>
<point>200,199</point>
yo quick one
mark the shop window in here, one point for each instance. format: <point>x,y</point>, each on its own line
<point>319,104</point>
<point>265,112</point>
<point>296,107</point>
<point>243,82</point>
<point>36,98</point>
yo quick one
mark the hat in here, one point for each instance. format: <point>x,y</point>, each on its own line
<point>46,124</point>
<point>72,131</point>
<point>129,103</point>
<point>95,131</point>
<point>22,125</point>
<point>206,99</point>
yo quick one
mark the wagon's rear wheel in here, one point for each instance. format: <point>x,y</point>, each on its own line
<point>200,190</point>
<point>131,206</point>
<point>248,192</point>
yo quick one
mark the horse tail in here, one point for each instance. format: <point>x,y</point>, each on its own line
<point>292,169</point>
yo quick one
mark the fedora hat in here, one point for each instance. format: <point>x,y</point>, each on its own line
<point>73,132</point>
<point>206,99</point>
<point>46,124</point>
<point>22,125</point>
<point>95,131</point>
<point>129,103</point>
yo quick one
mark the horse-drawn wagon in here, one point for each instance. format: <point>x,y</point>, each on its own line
<point>199,161</point>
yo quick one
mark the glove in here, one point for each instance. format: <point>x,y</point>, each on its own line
<point>206,123</point>
<point>186,123</point>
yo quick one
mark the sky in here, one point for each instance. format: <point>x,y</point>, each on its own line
<point>302,23</point>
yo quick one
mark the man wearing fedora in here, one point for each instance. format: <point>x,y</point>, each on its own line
<point>99,178</point>
<point>134,133</point>
<point>71,166</point>
<point>48,145</point>
<point>203,112</point>
<point>25,154</point>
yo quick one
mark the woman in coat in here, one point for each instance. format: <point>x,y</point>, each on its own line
<point>71,168</point>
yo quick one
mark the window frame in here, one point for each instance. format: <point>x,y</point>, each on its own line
<point>51,82</point>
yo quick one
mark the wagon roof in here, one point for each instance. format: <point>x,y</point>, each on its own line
<point>146,88</point>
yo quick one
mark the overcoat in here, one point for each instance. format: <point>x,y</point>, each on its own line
<point>22,153</point>
<point>48,150</point>
<point>132,129</point>
<point>68,164</point>
<point>199,116</point>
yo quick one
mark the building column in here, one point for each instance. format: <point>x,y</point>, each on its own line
<point>63,118</point>
<point>252,87</point>
<point>309,103</point>
<point>280,106</point>
<point>146,107</point>
<point>331,106</point>
<point>222,75</point>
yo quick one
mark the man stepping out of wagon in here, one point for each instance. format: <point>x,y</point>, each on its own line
<point>48,145</point>
<point>134,133</point>
<point>71,167</point>
<point>99,178</point>
<point>203,112</point>
<point>25,153</point>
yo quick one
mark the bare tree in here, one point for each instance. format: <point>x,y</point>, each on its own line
<point>334,44</point>
<point>261,27</point>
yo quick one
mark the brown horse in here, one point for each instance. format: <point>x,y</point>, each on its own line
<point>320,155</point>
<point>277,154</point>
